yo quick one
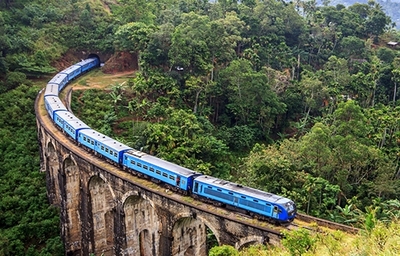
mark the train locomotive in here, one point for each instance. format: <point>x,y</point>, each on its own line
<point>219,192</point>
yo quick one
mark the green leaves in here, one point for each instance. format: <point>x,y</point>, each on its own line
<point>27,222</point>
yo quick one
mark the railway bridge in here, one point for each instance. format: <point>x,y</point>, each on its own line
<point>107,211</point>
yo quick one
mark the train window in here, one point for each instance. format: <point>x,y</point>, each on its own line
<point>267,204</point>
<point>242,196</point>
<point>145,167</point>
<point>219,189</point>
<point>106,150</point>
<point>158,172</point>
<point>151,169</point>
<point>132,162</point>
<point>139,164</point>
<point>255,200</point>
<point>102,148</point>
<point>164,174</point>
<point>230,193</point>
<point>209,187</point>
<point>92,142</point>
<point>111,152</point>
<point>84,138</point>
<point>171,177</point>
<point>115,154</point>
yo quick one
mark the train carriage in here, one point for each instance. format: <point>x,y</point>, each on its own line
<point>102,144</point>
<point>53,104</point>
<point>217,191</point>
<point>60,79</point>
<point>72,72</point>
<point>88,64</point>
<point>178,177</point>
<point>69,123</point>
<point>51,90</point>
<point>249,199</point>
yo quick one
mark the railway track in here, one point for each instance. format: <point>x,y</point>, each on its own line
<point>324,223</point>
<point>278,230</point>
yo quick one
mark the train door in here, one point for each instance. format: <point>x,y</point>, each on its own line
<point>235,201</point>
<point>275,212</point>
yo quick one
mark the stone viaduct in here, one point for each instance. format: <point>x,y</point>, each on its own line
<point>107,211</point>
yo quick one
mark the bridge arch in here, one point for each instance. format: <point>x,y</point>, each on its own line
<point>52,173</point>
<point>142,225</point>
<point>249,240</point>
<point>101,216</point>
<point>196,216</point>
<point>190,234</point>
<point>71,190</point>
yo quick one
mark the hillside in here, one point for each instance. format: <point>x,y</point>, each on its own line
<point>389,7</point>
<point>299,102</point>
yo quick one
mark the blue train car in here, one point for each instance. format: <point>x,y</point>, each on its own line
<point>51,90</point>
<point>102,144</point>
<point>60,79</point>
<point>246,198</point>
<point>88,64</point>
<point>177,176</point>
<point>53,104</point>
<point>69,123</point>
<point>72,71</point>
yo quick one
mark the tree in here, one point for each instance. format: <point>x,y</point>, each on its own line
<point>251,100</point>
<point>133,37</point>
<point>314,93</point>
<point>395,77</point>
<point>189,46</point>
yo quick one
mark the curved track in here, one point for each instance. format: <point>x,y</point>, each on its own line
<point>46,123</point>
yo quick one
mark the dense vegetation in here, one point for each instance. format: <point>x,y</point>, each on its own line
<point>293,98</point>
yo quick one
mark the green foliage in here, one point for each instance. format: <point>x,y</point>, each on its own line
<point>223,250</point>
<point>29,226</point>
<point>299,241</point>
<point>223,74</point>
<point>14,79</point>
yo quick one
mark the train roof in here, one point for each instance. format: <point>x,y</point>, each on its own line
<point>105,140</point>
<point>161,163</point>
<point>55,103</point>
<point>72,120</point>
<point>57,79</point>
<point>255,193</point>
<point>86,61</point>
<point>51,90</point>
<point>70,69</point>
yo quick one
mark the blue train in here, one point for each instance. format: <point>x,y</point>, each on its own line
<point>251,201</point>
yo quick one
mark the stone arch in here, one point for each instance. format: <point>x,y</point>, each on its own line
<point>145,243</point>
<point>204,220</point>
<point>190,236</point>
<point>52,174</point>
<point>142,225</point>
<point>249,240</point>
<point>51,151</point>
<point>102,216</point>
<point>71,180</point>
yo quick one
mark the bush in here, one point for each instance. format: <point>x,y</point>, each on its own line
<point>299,241</point>
<point>224,250</point>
